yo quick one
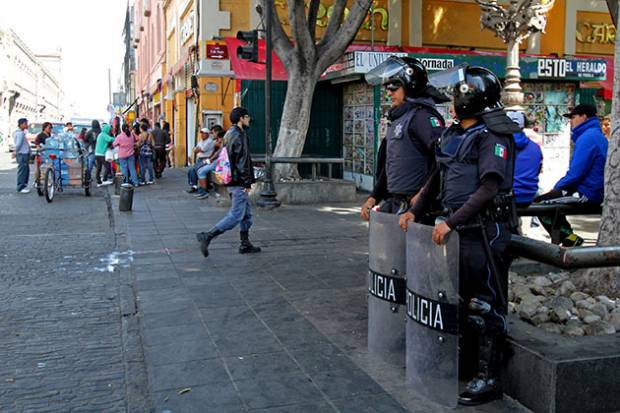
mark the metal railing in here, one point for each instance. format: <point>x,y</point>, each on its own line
<point>315,162</point>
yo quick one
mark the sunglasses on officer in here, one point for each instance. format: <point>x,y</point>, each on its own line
<point>393,87</point>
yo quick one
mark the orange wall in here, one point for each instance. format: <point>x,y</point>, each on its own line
<point>221,99</point>
<point>451,23</point>
<point>180,150</point>
<point>552,41</point>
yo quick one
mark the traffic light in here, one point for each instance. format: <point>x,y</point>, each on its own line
<point>248,51</point>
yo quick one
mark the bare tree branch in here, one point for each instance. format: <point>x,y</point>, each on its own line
<point>334,22</point>
<point>331,51</point>
<point>281,43</point>
<point>313,10</point>
<point>299,28</point>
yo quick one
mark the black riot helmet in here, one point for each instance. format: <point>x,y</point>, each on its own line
<point>407,72</point>
<point>474,90</point>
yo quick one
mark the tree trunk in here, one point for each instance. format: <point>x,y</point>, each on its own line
<point>294,122</point>
<point>607,280</point>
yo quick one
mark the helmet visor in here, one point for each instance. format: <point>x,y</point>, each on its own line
<point>387,72</point>
<point>447,80</point>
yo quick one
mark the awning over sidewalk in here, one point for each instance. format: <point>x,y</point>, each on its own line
<point>246,70</point>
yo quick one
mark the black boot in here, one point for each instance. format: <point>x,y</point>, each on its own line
<point>246,246</point>
<point>205,239</point>
<point>486,386</point>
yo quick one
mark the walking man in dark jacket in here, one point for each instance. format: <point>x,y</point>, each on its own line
<point>161,139</point>
<point>240,213</point>
<point>586,172</point>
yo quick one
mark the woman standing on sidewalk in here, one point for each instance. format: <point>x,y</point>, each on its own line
<point>126,158</point>
<point>103,141</point>
<point>145,141</point>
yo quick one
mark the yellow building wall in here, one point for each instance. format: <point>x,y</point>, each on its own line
<point>452,23</point>
<point>595,33</point>
<point>221,99</point>
<point>180,149</point>
<point>239,16</point>
<point>552,41</point>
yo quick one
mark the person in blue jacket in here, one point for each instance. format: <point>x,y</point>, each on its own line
<point>586,172</point>
<point>528,164</point>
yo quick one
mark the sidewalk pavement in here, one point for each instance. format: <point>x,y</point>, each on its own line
<point>280,331</point>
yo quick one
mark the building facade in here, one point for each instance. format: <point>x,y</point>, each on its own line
<point>202,78</point>
<point>28,88</point>
<point>150,50</point>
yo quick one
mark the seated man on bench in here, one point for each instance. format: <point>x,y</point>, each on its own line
<point>209,166</point>
<point>586,172</point>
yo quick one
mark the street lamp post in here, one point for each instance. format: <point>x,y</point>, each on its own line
<point>512,24</point>
<point>268,194</point>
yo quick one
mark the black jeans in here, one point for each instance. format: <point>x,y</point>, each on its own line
<point>159,161</point>
<point>102,163</point>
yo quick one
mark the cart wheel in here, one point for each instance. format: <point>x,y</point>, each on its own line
<point>50,183</point>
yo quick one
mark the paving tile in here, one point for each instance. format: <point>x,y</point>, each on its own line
<point>258,366</point>
<point>285,390</point>
<point>183,350</point>
<point>319,357</point>
<point>380,403</point>
<point>212,398</point>
<point>345,382</point>
<point>158,284</point>
<point>170,318</point>
<point>292,333</point>
<point>169,335</point>
<point>299,408</point>
<point>246,343</point>
<point>187,374</point>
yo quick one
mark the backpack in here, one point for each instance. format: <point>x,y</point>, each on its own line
<point>222,172</point>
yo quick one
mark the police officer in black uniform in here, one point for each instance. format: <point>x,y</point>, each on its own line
<point>474,179</point>
<point>405,156</point>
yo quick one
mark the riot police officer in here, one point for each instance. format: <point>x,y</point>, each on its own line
<point>474,179</point>
<point>405,156</point>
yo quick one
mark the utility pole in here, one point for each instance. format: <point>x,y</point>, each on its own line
<point>268,194</point>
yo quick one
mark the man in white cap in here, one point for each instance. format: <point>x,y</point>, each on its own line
<point>202,151</point>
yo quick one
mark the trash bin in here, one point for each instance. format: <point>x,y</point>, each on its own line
<point>118,181</point>
<point>125,201</point>
<point>386,289</point>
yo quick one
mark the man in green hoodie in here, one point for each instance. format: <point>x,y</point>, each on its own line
<point>104,139</point>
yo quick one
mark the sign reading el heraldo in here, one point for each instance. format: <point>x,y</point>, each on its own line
<point>375,28</point>
<point>596,33</point>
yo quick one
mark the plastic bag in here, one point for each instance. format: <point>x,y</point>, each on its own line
<point>109,155</point>
<point>222,172</point>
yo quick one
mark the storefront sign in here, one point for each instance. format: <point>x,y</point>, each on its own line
<point>594,33</point>
<point>571,69</point>
<point>217,51</point>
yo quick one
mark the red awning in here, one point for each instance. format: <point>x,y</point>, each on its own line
<point>246,70</point>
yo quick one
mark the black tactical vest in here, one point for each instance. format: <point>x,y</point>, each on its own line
<point>460,177</point>
<point>407,166</point>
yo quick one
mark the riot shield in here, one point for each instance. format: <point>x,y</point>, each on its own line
<point>386,289</point>
<point>432,302</point>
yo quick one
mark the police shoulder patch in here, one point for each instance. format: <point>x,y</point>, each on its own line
<point>435,122</point>
<point>501,151</point>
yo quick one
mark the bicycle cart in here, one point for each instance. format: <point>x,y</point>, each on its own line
<point>61,164</point>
